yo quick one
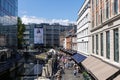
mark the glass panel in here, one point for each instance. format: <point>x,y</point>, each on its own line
<point>116,45</point>
<point>115,6</point>
<point>97,44</point>
<point>93,44</point>
<point>108,44</point>
<point>107,9</point>
<point>101,44</point>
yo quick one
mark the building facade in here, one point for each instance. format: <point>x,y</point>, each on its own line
<point>51,33</point>
<point>62,39</point>
<point>8,21</point>
<point>27,35</point>
<point>68,42</point>
<point>83,28</point>
<point>105,30</point>
<point>74,42</point>
<point>68,39</point>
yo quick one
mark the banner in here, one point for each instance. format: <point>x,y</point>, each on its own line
<point>38,35</point>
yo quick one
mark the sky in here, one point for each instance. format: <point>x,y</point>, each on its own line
<point>49,11</point>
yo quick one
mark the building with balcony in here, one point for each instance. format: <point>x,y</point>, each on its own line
<point>83,28</point>
<point>27,34</point>
<point>8,21</point>
<point>51,33</point>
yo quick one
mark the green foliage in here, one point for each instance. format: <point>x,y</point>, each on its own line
<point>86,76</point>
<point>21,29</point>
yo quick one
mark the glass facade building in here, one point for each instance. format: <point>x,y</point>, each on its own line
<point>8,21</point>
<point>51,33</point>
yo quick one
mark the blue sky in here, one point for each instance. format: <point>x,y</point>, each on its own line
<point>49,9</point>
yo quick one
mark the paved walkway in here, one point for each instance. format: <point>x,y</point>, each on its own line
<point>69,75</point>
<point>69,72</point>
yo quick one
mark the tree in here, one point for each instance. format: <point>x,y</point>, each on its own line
<point>21,29</point>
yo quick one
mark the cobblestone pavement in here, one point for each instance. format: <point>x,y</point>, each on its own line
<point>69,75</point>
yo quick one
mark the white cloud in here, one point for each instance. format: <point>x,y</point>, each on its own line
<point>23,12</point>
<point>34,19</point>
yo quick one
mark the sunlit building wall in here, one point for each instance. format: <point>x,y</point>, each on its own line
<point>105,30</point>
<point>83,28</point>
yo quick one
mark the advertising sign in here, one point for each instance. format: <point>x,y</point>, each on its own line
<point>38,35</point>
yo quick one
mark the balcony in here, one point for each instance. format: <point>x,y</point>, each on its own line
<point>26,37</point>
<point>27,32</point>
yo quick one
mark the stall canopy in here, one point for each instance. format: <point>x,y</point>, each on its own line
<point>78,57</point>
<point>117,78</point>
<point>98,68</point>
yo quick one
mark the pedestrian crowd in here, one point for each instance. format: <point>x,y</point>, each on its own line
<point>66,62</point>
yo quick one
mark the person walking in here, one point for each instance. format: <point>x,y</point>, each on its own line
<point>58,75</point>
<point>75,72</point>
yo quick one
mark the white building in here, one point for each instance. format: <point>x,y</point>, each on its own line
<point>105,31</point>
<point>83,28</point>
<point>104,62</point>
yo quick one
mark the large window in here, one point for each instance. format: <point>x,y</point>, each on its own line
<point>101,15</point>
<point>115,6</point>
<point>101,11</point>
<point>97,1</point>
<point>116,45</point>
<point>101,44</point>
<point>108,44</point>
<point>97,44</point>
<point>96,18</point>
<point>107,9</point>
<point>92,44</point>
<point>93,5</point>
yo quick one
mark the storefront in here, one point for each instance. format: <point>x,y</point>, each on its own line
<point>99,69</point>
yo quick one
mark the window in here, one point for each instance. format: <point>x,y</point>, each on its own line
<point>92,5</point>
<point>97,1</point>
<point>116,45</point>
<point>101,14</point>
<point>101,44</point>
<point>96,18</point>
<point>93,44</point>
<point>93,23</point>
<point>108,44</point>
<point>97,44</point>
<point>107,9</point>
<point>115,6</point>
<point>97,13</point>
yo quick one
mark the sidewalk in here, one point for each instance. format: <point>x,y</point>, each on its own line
<point>68,72</point>
<point>69,75</point>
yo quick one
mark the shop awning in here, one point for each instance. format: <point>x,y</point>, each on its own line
<point>98,68</point>
<point>78,57</point>
<point>117,78</point>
